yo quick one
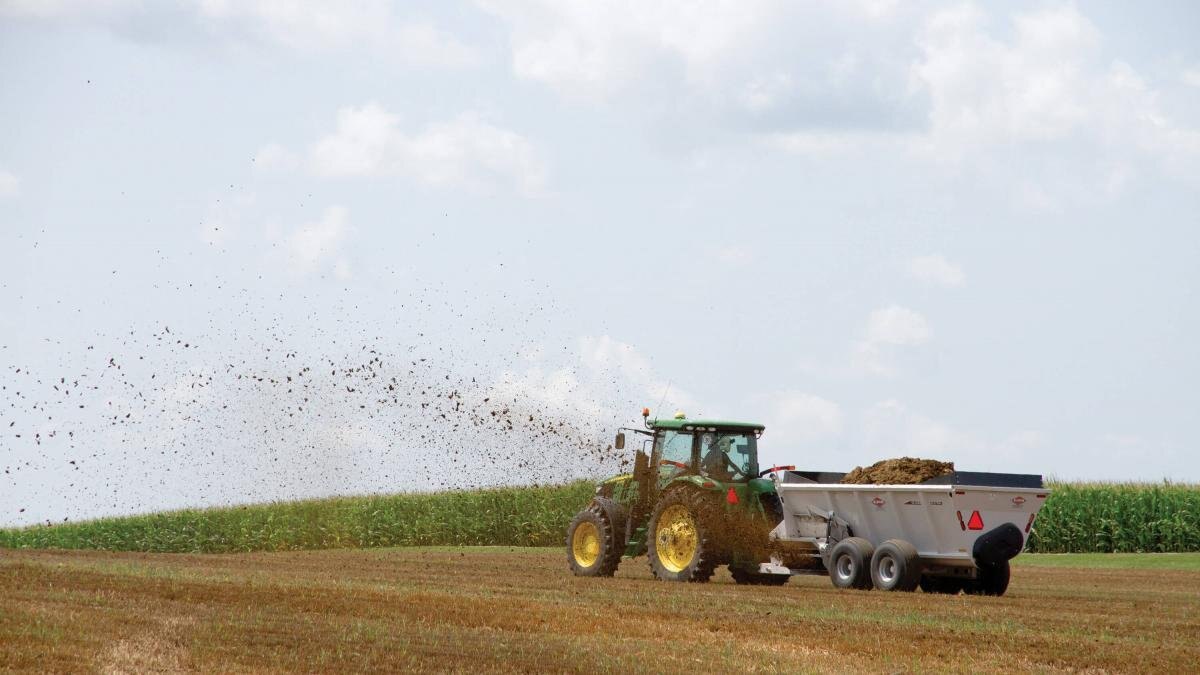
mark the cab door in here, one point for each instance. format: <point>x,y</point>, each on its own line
<point>674,454</point>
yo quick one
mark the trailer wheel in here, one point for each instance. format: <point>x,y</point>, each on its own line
<point>943,585</point>
<point>681,539</point>
<point>592,549</point>
<point>850,563</point>
<point>743,576</point>
<point>896,566</point>
<point>992,580</point>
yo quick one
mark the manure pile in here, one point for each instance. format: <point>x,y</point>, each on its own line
<point>899,471</point>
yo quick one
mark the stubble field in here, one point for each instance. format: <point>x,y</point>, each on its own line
<point>514,609</point>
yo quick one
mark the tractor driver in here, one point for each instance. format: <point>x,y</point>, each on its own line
<point>716,461</point>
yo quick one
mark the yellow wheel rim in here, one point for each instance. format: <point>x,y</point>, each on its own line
<point>585,544</point>
<point>676,538</point>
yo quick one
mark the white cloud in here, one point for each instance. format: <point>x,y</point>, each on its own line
<point>594,387</point>
<point>1191,76</point>
<point>1022,449</point>
<point>593,50</point>
<point>764,91</point>
<point>10,184</point>
<point>311,26</point>
<point>896,325</point>
<point>935,269</point>
<point>316,242</point>
<point>890,429</point>
<point>805,417</point>
<point>1127,441</point>
<point>604,358</point>
<point>985,90</point>
<point>296,24</point>
<point>888,328</point>
<point>874,77</point>
<point>733,255</point>
<point>275,157</point>
<point>749,62</point>
<point>870,358</point>
<point>465,151</point>
<point>557,392</point>
<point>66,9</point>
<point>1049,82</point>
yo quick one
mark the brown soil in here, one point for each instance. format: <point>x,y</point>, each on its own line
<point>505,610</point>
<point>900,471</point>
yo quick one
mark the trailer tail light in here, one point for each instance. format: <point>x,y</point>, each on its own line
<point>960,520</point>
<point>976,521</point>
<point>1030,523</point>
<point>731,496</point>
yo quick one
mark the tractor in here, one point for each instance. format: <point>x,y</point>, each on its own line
<point>696,499</point>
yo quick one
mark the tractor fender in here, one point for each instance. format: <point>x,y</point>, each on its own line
<point>761,486</point>
<point>697,482</point>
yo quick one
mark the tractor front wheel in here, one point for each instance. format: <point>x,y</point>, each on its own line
<point>592,549</point>
<point>680,542</point>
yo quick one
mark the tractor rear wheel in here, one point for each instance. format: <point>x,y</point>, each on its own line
<point>749,578</point>
<point>592,548</point>
<point>680,541</point>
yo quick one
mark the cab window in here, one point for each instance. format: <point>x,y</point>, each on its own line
<point>728,456</point>
<point>673,446</point>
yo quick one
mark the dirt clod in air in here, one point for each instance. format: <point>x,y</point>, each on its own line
<point>899,471</point>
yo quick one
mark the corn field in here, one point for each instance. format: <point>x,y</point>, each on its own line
<point>1118,517</point>
<point>1077,518</point>
<point>524,516</point>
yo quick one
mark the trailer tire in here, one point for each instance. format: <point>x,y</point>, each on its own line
<point>943,585</point>
<point>743,576</point>
<point>850,564</point>
<point>992,580</point>
<point>896,566</point>
<point>681,541</point>
<point>592,543</point>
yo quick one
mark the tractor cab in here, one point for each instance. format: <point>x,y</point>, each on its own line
<point>718,450</point>
<point>705,452</point>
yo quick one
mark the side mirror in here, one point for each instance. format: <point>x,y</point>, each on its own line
<point>620,442</point>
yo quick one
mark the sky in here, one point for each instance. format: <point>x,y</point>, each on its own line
<point>965,231</point>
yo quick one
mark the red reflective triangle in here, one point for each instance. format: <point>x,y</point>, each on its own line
<point>731,496</point>
<point>976,521</point>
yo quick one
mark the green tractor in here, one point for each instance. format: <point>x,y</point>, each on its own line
<point>696,499</point>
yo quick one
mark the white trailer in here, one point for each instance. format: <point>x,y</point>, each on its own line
<point>950,534</point>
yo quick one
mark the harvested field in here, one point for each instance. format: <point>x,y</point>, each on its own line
<point>899,471</point>
<point>506,609</point>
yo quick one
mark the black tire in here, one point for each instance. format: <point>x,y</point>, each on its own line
<point>743,576</point>
<point>694,532</point>
<point>991,580</point>
<point>850,563</point>
<point>896,566</point>
<point>944,585</point>
<point>596,553</point>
